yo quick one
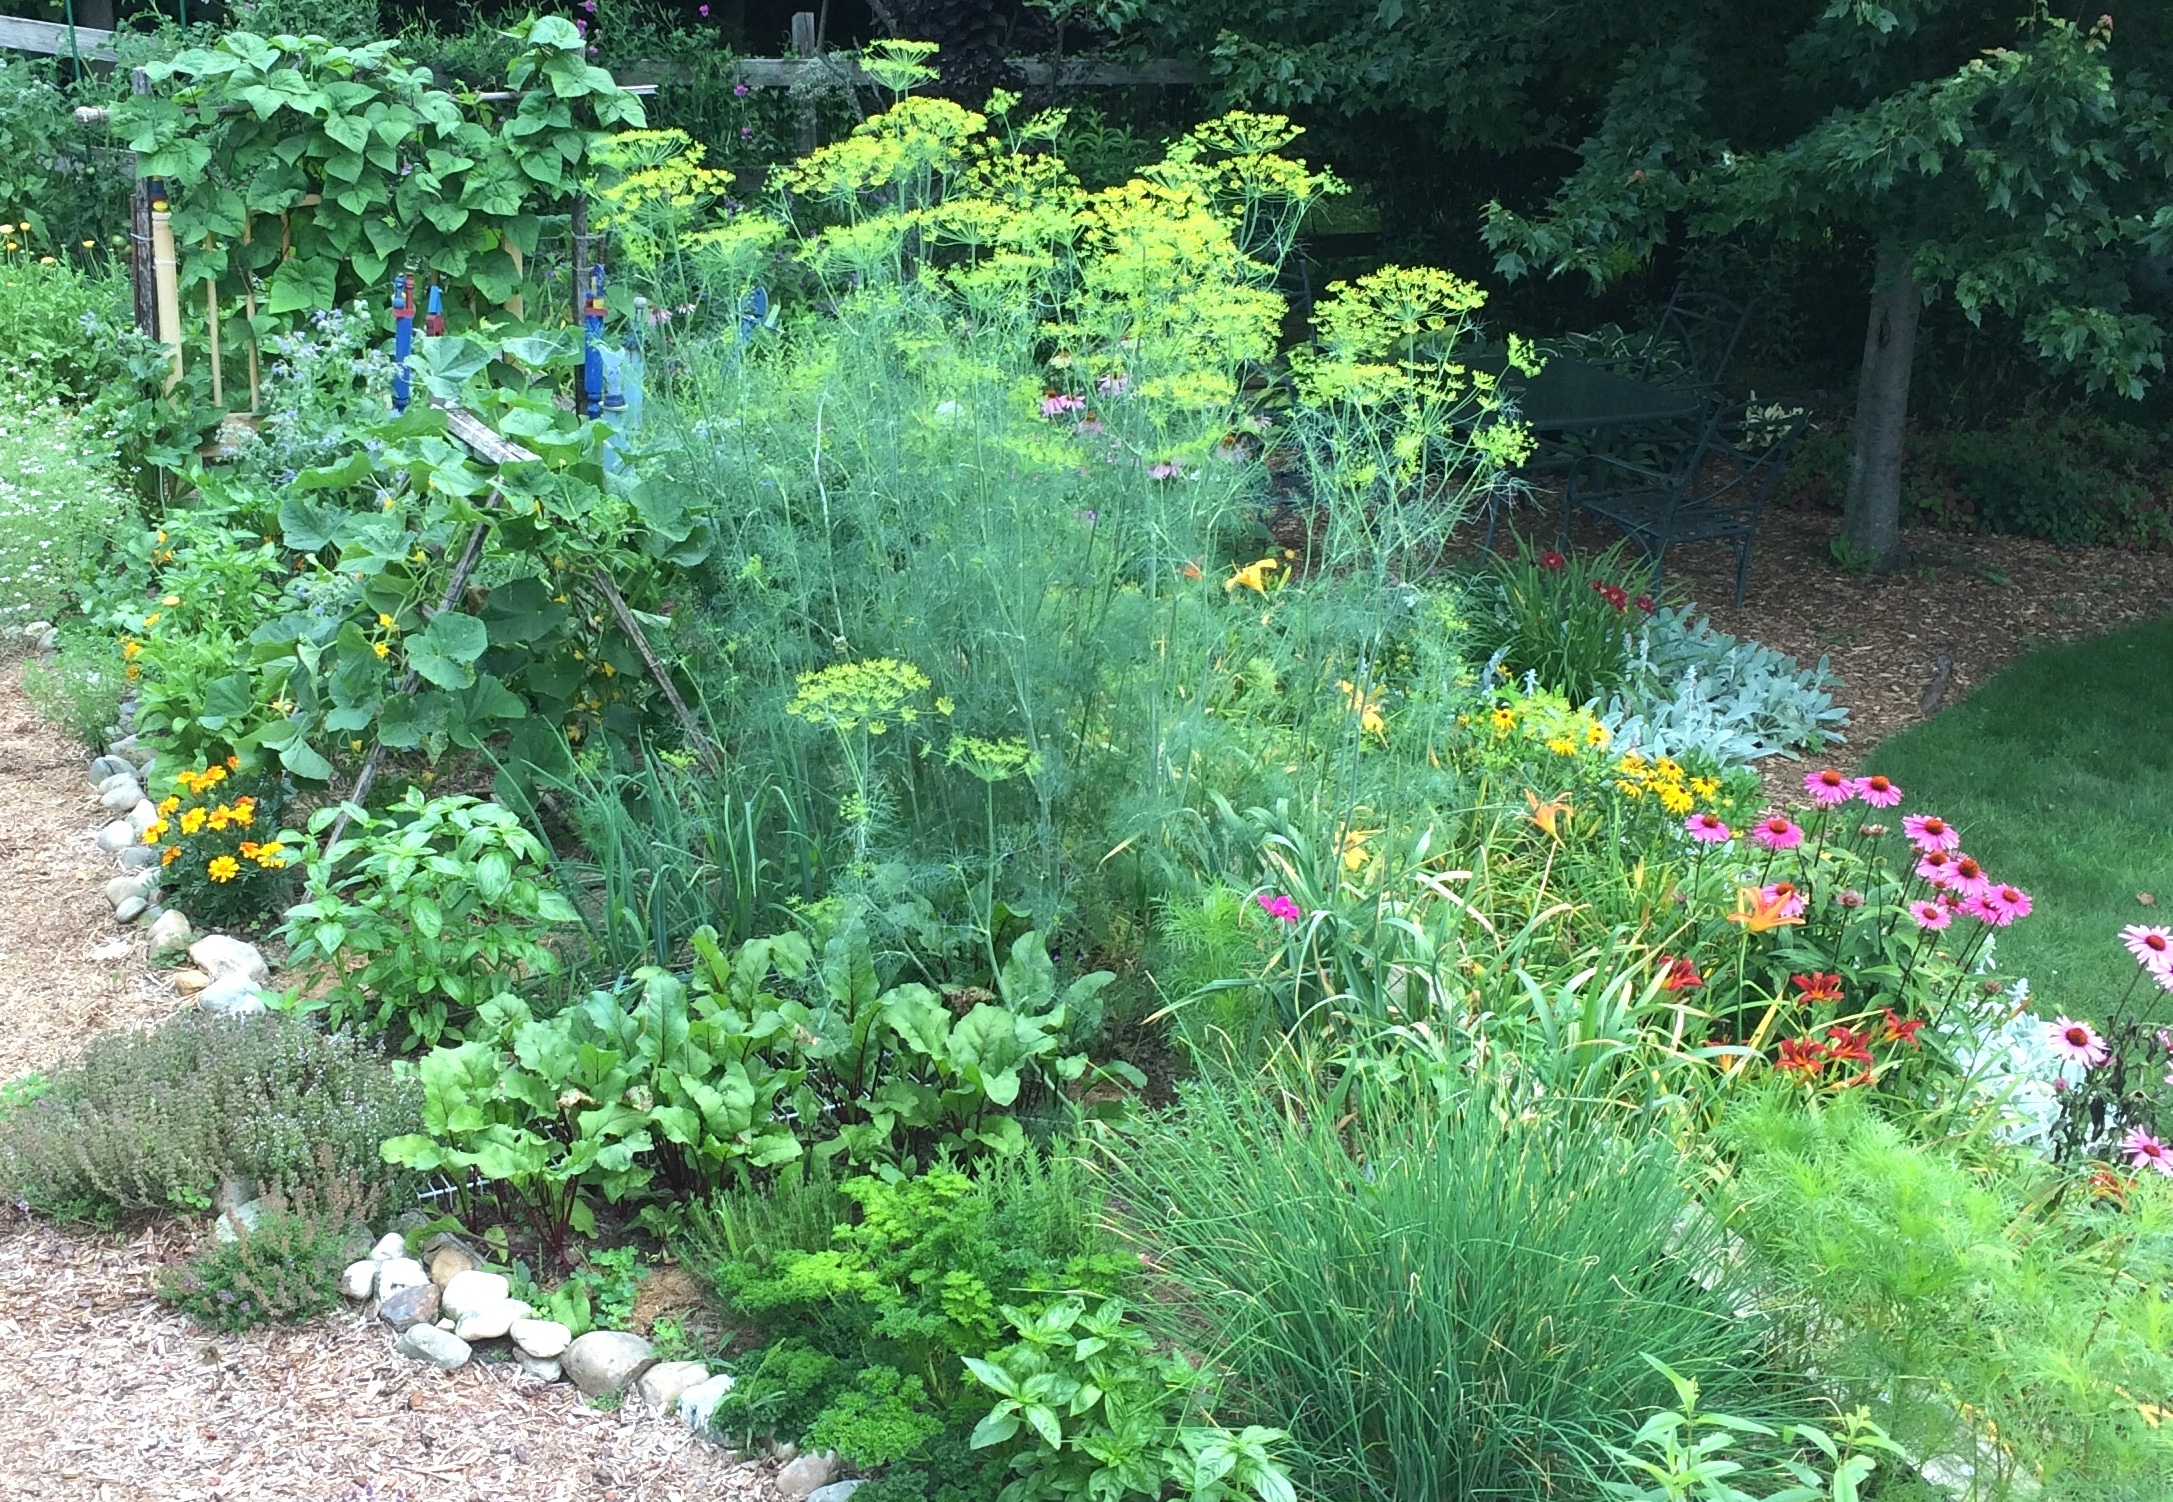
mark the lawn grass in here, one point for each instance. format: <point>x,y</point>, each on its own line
<point>2059,774</point>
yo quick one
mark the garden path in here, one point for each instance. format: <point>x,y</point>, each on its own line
<point>108,1396</point>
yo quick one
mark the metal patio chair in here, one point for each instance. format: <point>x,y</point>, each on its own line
<point>1710,490</point>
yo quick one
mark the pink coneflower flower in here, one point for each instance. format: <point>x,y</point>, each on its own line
<point>1708,829</point>
<point>2146,1151</point>
<point>2012,901</point>
<point>1849,898</point>
<point>1966,878</point>
<point>1278,906</point>
<point>1786,896</point>
<point>2078,1041</point>
<point>1936,867</point>
<point>1871,831</point>
<point>1777,833</point>
<point>1929,832</point>
<point>1828,789</point>
<point>1985,911</point>
<point>2152,947</point>
<point>1877,791</point>
<point>1168,469</point>
<point>1057,403</point>
<point>1930,916</point>
<point>1112,385</point>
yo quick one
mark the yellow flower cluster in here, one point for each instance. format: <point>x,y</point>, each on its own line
<point>1664,780</point>
<point>853,695</point>
<point>218,817</point>
<point>1550,722</point>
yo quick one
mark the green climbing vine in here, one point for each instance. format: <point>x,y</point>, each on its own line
<point>315,170</point>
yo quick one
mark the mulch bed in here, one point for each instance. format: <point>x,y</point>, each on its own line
<point>1974,603</point>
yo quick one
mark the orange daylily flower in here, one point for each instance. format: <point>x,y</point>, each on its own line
<point>1760,914</point>
<point>1547,815</point>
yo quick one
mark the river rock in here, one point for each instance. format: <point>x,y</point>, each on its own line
<point>141,817</point>
<point>544,1339</point>
<point>416,1304</point>
<point>105,768</point>
<point>398,1273</point>
<point>121,792</point>
<point>805,1475</point>
<point>236,1219</point>
<point>235,995</point>
<point>605,1361</point>
<point>472,1290</point>
<point>121,888</point>
<point>433,1347</point>
<point>490,1321</point>
<point>358,1280</point>
<point>189,982</point>
<point>700,1401</point>
<point>540,1366</point>
<point>837,1491</point>
<point>117,836</point>
<point>450,1261</point>
<point>130,911</point>
<point>662,1385</point>
<point>170,934</point>
<point>390,1245</point>
<point>219,955</point>
<point>137,857</point>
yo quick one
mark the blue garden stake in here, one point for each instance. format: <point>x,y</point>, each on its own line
<point>434,319</point>
<point>592,343</point>
<point>754,312</point>
<point>403,335</point>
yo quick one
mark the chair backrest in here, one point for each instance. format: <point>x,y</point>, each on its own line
<point>1698,333</point>
<point>1738,459</point>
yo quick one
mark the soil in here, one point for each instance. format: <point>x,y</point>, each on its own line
<point>110,1396</point>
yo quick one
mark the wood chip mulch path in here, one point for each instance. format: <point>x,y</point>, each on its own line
<point>108,1396</point>
<point>1975,603</point>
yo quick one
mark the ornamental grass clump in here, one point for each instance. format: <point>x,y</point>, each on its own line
<point>1440,1299</point>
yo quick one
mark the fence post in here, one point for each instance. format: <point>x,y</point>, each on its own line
<point>804,46</point>
<point>142,277</point>
<point>580,226</point>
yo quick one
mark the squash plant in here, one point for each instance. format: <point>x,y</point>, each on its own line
<point>759,1056</point>
<point>319,169</point>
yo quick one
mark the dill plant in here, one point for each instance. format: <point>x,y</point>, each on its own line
<point>1007,437</point>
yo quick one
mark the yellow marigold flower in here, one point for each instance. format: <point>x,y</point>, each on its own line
<point>155,832</point>
<point>249,849</point>
<point>172,854</point>
<point>168,804</point>
<point>1253,576</point>
<point>220,818</point>
<point>129,648</point>
<point>381,650</point>
<point>233,763</point>
<point>223,868</point>
<point>193,820</point>
<point>211,775</point>
<point>272,857</point>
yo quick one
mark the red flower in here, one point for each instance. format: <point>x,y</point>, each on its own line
<point>1613,594</point>
<point>1847,1045</point>
<point>1817,986</point>
<point>1898,1031</point>
<point>1552,561</point>
<point>1804,1056</point>
<point>1682,973</point>
<point>1644,603</point>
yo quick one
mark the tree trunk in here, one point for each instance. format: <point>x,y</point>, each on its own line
<point>1871,516</point>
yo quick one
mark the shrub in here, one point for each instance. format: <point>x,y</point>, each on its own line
<point>1998,1319</point>
<point>282,1270</point>
<point>154,1120</point>
<point>1442,1300</point>
<point>1559,618</point>
<point>422,915</point>
<point>79,688</point>
<point>58,505</point>
<point>1688,689</point>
